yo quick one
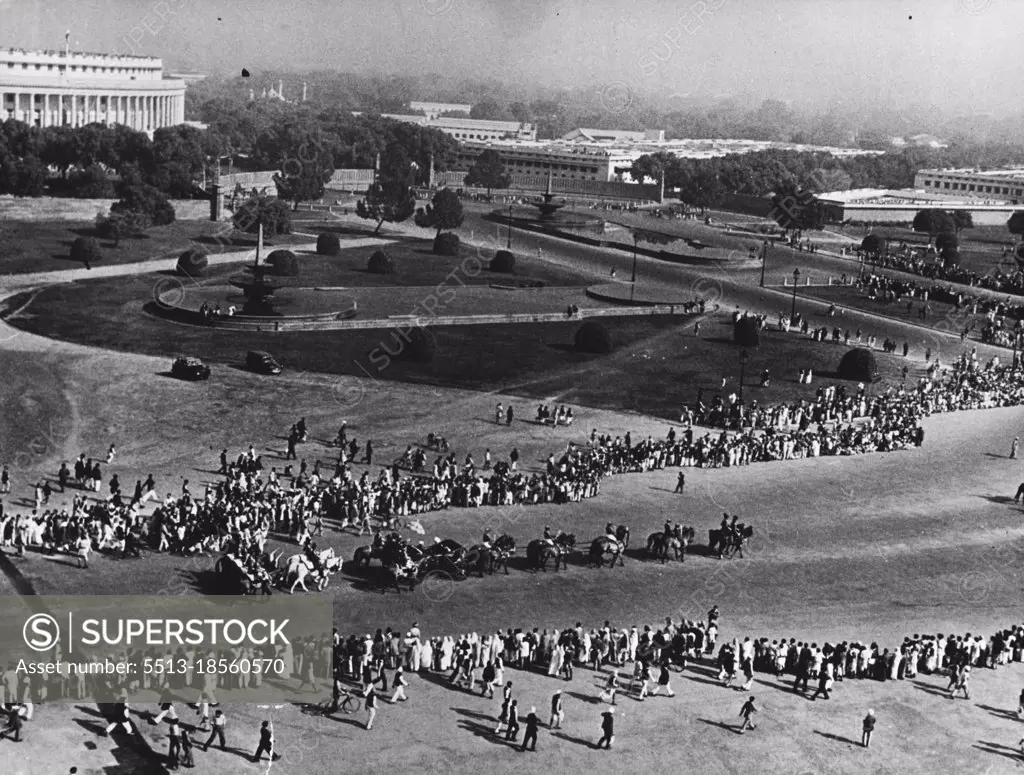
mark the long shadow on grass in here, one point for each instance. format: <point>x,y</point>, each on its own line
<point>722,725</point>
<point>486,732</point>
<point>999,749</point>
<point>1000,712</point>
<point>837,738</point>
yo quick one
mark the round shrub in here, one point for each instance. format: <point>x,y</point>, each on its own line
<point>593,338</point>
<point>859,365</point>
<point>746,332</point>
<point>504,262</point>
<point>284,262</point>
<point>86,250</point>
<point>873,244</point>
<point>447,244</point>
<point>328,245</point>
<point>192,263</point>
<point>420,347</point>
<point>380,263</point>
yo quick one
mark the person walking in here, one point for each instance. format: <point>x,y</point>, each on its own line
<point>530,737</point>
<point>664,681</point>
<point>557,710</point>
<point>266,743</point>
<point>607,729</point>
<point>1014,446</point>
<point>217,733</point>
<point>399,683</point>
<point>499,414</point>
<point>611,686</point>
<point>173,745</point>
<point>867,728</point>
<point>370,698</point>
<point>187,758</point>
<point>963,685</point>
<point>509,416</point>
<point>747,712</point>
<point>506,707</point>
<point>513,721</point>
<point>680,482</point>
<point>121,717</point>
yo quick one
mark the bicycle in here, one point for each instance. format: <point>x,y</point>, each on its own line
<point>347,703</point>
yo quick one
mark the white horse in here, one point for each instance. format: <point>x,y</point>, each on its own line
<point>302,570</point>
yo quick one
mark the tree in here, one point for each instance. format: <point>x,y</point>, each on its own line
<point>92,183</point>
<point>873,245</point>
<point>797,208</point>
<point>488,171</point>
<point>260,209</point>
<point>305,186</point>
<point>444,212</point>
<point>143,198</point>
<point>126,223</point>
<point>86,250</point>
<point>963,219</point>
<point>859,365</point>
<point>948,247</point>
<point>933,222</point>
<point>1016,223</point>
<point>31,177</point>
<point>390,197</point>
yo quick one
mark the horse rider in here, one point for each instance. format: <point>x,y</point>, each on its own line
<point>609,529</point>
<point>668,528</point>
<point>378,541</point>
<point>547,534</point>
<point>313,556</point>
<point>300,426</point>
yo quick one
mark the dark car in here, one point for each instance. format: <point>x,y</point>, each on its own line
<point>262,362</point>
<point>190,369</point>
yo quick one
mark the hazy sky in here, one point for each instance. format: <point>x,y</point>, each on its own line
<point>962,55</point>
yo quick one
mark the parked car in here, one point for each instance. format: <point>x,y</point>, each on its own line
<point>262,362</point>
<point>190,369</point>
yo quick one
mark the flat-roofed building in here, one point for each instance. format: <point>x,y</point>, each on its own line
<point>64,88</point>
<point>988,185</point>
<point>435,109</point>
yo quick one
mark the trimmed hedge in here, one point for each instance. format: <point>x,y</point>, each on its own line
<point>86,250</point>
<point>593,338</point>
<point>421,346</point>
<point>746,332</point>
<point>380,263</point>
<point>504,262</point>
<point>859,365</point>
<point>193,262</point>
<point>328,245</point>
<point>447,244</point>
<point>284,262</point>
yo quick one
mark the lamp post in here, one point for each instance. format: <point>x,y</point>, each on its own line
<point>508,246</point>
<point>632,279</point>
<point>744,357</point>
<point>764,260</point>
<point>792,312</point>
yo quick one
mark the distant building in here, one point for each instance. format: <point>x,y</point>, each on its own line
<point>435,109</point>
<point>564,160</point>
<point>989,185</point>
<point>919,141</point>
<point>465,129</point>
<point>65,88</point>
<point>614,136</point>
<point>871,205</point>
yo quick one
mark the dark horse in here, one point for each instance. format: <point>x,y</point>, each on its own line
<point>729,544</point>
<point>481,557</point>
<point>658,544</point>
<point>603,545</point>
<point>540,550</point>
<point>386,550</point>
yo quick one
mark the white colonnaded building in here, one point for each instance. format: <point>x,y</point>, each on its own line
<point>64,88</point>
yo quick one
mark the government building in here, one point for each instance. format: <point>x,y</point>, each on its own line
<point>61,88</point>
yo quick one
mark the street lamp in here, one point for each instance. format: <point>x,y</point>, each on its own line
<point>744,357</point>
<point>509,244</point>
<point>632,279</point>
<point>792,312</point>
<point>764,260</point>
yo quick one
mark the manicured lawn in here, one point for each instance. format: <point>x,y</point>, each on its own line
<point>44,246</point>
<point>657,364</point>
